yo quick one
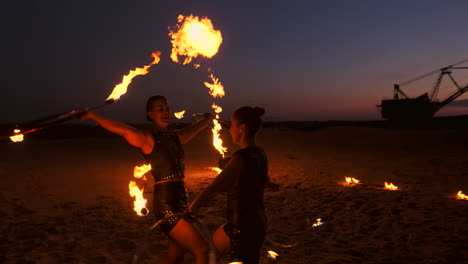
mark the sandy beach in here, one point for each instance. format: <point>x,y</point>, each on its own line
<point>65,199</point>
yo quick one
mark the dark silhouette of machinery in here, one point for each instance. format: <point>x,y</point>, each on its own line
<point>423,107</point>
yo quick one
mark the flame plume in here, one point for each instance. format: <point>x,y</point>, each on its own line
<point>18,137</point>
<point>121,88</point>
<point>179,115</point>
<point>194,37</point>
<point>135,191</point>
<point>140,171</point>
<point>216,88</point>
<point>217,141</point>
<point>390,186</point>
<point>461,196</point>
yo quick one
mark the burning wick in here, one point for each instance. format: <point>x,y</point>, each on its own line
<point>18,137</point>
<point>272,254</point>
<point>390,186</point>
<point>351,180</point>
<point>461,196</point>
<point>179,115</point>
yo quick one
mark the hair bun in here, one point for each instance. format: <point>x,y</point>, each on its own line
<point>259,111</point>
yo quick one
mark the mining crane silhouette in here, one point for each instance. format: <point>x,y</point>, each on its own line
<point>423,107</point>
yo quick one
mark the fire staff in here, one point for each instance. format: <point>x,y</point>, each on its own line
<point>163,149</point>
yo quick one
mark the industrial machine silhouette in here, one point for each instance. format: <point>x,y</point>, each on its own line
<point>423,107</point>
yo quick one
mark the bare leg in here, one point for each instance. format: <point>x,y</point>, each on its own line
<point>221,241</point>
<point>174,255</point>
<point>187,237</point>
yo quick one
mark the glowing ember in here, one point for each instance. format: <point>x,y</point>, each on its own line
<point>196,66</point>
<point>351,180</point>
<point>17,137</point>
<point>318,222</point>
<point>140,171</point>
<point>390,186</point>
<point>461,196</point>
<point>216,88</point>
<point>215,169</point>
<point>272,254</point>
<point>217,141</point>
<point>121,88</point>
<point>194,37</point>
<point>140,202</point>
<point>179,115</point>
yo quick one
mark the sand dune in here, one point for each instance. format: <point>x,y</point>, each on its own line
<point>65,200</point>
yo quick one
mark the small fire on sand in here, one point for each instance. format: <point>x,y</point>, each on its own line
<point>461,196</point>
<point>136,192</point>
<point>351,180</point>
<point>390,186</point>
<point>179,115</point>
<point>18,137</point>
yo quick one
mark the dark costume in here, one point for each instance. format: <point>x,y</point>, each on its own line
<point>167,167</point>
<point>246,227</point>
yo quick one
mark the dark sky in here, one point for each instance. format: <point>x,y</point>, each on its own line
<point>301,60</point>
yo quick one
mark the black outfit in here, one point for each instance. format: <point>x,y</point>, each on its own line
<point>246,227</point>
<point>167,167</point>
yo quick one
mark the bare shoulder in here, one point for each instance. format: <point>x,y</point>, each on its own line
<point>148,141</point>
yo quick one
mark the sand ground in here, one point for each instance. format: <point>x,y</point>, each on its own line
<point>65,200</point>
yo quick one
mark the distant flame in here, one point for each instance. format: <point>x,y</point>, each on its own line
<point>179,115</point>
<point>318,222</point>
<point>272,254</point>
<point>121,88</point>
<point>17,137</point>
<point>461,196</point>
<point>390,186</point>
<point>140,171</point>
<point>215,169</point>
<point>216,88</point>
<point>217,141</point>
<point>196,66</point>
<point>140,202</point>
<point>351,180</point>
<point>194,37</point>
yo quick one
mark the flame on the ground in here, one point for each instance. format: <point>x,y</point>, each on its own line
<point>272,254</point>
<point>17,137</point>
<point>215,169</point>
<point>121,88</point>
<point>193,37</point>
<point>318,222</point>
<point>179,115</point>
<point>216,88</point>
<point>140,171</point>
<point>390,186</point>
<point>217,141</point>
<point>461,196</point>
<point>351,180</point>
<point>140,202</point>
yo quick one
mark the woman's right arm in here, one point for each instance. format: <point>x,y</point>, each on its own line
<point>135,137</point>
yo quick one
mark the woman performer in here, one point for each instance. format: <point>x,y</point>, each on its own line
<point>243,178</point>
<point>163,149</point>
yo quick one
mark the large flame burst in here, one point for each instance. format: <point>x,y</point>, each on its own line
<point>134,191</point>
<point>121,88</point>
<point>193,37</point>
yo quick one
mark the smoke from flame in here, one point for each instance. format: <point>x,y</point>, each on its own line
<point>194,37</point>
<point>17,137</point>
<point>179,115</point>
<point>121,88</point>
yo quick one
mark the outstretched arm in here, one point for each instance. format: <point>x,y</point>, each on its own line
<point>220,184</point>
<point>135,137</point>
<point>187,133</point>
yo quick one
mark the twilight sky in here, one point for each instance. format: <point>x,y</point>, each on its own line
<point>301,60</point>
